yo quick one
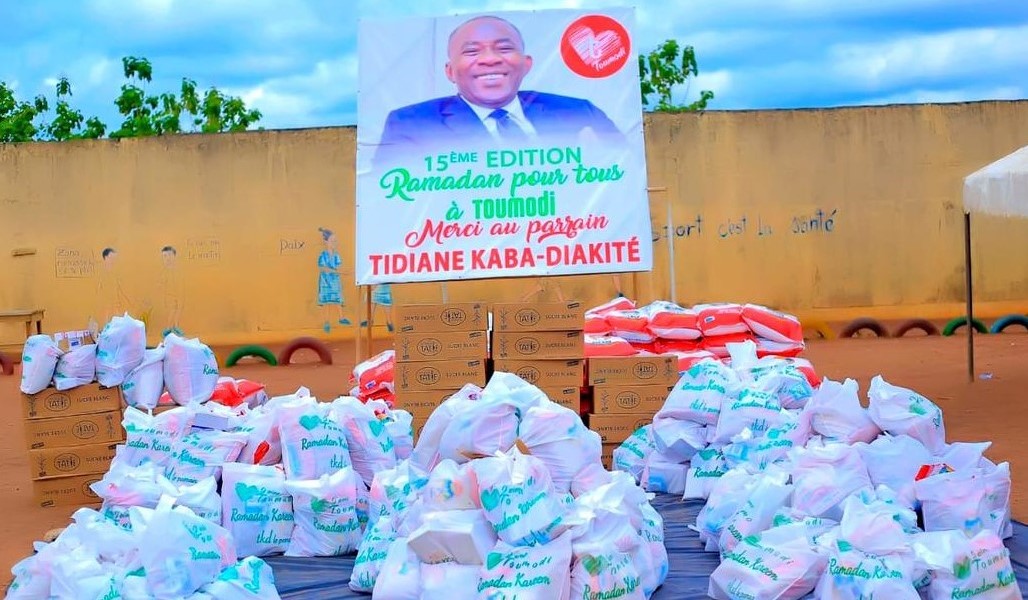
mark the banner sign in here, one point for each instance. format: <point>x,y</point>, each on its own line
<point>500,145</point>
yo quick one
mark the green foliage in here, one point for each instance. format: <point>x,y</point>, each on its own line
<point>144,114</point>
<point>665,67</point>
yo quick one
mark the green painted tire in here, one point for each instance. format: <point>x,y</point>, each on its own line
<point>959,322</point>
<point>1004,322</point>
<point>251,350</point>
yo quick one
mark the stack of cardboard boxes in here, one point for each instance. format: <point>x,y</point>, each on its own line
<point>439,348</point>
<point>626,393</point>
<point>71,438</point>
<point>544,344</point>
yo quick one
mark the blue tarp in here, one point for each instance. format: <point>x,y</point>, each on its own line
<point>690,566</point>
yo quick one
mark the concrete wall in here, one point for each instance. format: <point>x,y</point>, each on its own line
<point>826,213</point>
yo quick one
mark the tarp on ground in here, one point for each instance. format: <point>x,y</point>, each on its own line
<point>690,566</point>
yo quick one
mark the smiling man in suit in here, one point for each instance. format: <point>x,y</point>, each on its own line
<point>487,62</point>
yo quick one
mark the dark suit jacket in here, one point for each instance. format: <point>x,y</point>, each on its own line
<point>440,122</point>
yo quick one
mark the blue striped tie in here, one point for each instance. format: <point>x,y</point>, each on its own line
<point>506,126</point>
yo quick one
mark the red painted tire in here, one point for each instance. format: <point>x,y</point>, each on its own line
<point>864,323</point>
<point>309,343</point>
<point>924,325</point>
<point>6,364</point>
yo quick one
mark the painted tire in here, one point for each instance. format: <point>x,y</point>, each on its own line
<point>251,350</point>
<point>822,329</point>
<point>924,325</point>
<point>959,322</point>
<point>864,323</point>
<point>305,342</point>
<point>1007,321</point>
<point>6,364</point>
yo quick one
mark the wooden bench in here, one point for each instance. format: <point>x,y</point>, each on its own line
<point>28,317</point>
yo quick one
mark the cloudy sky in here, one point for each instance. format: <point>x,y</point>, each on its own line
<point>296,60</point>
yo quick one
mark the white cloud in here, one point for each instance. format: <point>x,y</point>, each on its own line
<point>946,55</point>
<point>297,100</point>
<point>948,95</point>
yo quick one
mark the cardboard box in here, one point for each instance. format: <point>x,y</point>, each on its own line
<point>627,398</point>
<point>435,318</point>
<point>82,400</point>
<point>607,455</point>
<point>441,375</point>
<point>538,316</point>
<point>67,340</point>
<point>422,403</point>
<point>569,397</point>
<point>77,460</point>
<point>66,491</point>
<point>636,370</point>
<point>449,345</point>
<point>78,430</point>
<point>545,373</point>
<point>534,345</point>
<point>616,428</point>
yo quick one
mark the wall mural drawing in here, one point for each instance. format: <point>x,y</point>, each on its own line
<point>170,290</point>
<point>111,299</point>
<point>330,285</point>
<point>382,295</point>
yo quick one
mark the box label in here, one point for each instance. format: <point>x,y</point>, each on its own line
<point>435,318</point>
<point>78,430</point>
<point>78,460</point>
<point>549,373</point>
<point>616,428</point>
<point>639,370</point>
<point>630,398</point>
<point>450,345</point>
<point>542,316</point>
<point>539,345</point>
<point>81,400</point>
<point>442,375</point>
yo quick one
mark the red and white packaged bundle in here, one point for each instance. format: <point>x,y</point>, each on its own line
<point>772,325</point>
<point>669,321</point>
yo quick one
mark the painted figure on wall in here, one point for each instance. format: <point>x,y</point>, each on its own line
<point>330,284</point>
<point>111,297</point>
<point>171,290</point>
<point>382,295</point>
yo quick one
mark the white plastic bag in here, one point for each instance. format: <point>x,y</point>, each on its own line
<point>201,497</point>
<point>125,486</point>
<point>894,461</point>
<point>824,476</point>
<point>705,468</point>
<point>152,438</point>
<point>978,567</point>
<point>677,441</point>
<point>400,574</point>
<point>453,536</point>
<point>249,579</point>
<point>201,454</point>
<point>371,555</point>
<point>451,487</point>
<point>757,513</point>
<point>393,490</point>
<point>39,360</point>
<point>325,513</point>
<point>119,349</point>
<point>556,436</point>
<point>518,498</point>
<point>700,393</point>
<point>954,500</point>
<point>263,442</point>
<point>852,574</point>
<point>76,367</point>
<point>426,450</point>
<point>481,428</point>
<point>313,443</point>
<point>371,448</point>
<point>898,410</point>
<point>540,572</point>
<point>632,454</point>
<point>180,552</point>
<point>835,412</point>
<point>256,508</point>
<point>754,410</point>
<point>190,370</point>
<point>400,427</point>
<point>144,385</point>
<point>762,570</point>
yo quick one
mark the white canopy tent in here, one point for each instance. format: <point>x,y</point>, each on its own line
<point>1001,189</point>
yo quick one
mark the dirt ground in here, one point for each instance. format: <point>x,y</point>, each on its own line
<point>994,408</point>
